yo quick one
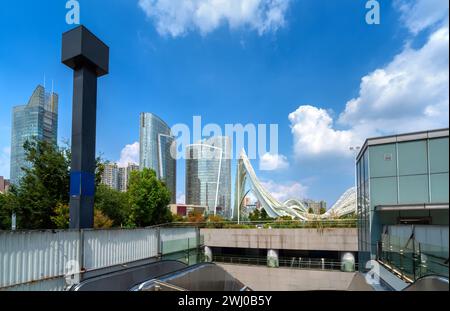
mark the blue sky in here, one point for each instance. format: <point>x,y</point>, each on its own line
<point>315,67</point>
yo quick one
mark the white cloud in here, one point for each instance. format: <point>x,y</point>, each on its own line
<point>314,134</point>
<point>177,17</point>
<point>283,192</point>
<point>181,198</point>
<point>270,162</point>
<point>129,154</point>
<point>418,15</point>
<point>5,157</point>
<point>411,93</point>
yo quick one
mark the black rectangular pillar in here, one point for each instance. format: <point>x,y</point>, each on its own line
<point>89,58</point>
<point>82,176</point>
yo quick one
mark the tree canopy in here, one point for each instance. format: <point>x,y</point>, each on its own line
<point>148,198</point>
<point>44,186</point>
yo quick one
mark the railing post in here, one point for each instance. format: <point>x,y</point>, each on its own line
<point>414,258</point>
<point>159,242</point>
<point>82,247</point>
<point>197,233</point>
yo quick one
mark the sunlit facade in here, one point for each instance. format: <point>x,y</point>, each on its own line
<point>155,144</point>
<point>208,175</point>
<point>36,120</point>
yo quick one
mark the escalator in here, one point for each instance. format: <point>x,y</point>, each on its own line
<point>429,283</point>
<point>127,277</point>
<point>199,277</point>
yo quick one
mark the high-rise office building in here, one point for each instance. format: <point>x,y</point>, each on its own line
<point>208,175</point>
<point>155,143</point>
<point>124,176</point>
<point>36,120</point>
<point>110,175</point>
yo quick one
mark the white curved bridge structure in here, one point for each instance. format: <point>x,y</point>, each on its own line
<point>345,205</point>
<point>294,208</point>
<point>272,206</point>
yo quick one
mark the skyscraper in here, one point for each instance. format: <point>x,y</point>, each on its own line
<point>155,143</point>
<point>208,175</point>
<point>36,120</point>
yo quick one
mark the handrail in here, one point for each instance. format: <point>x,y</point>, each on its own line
<point>168,285</point>
<point>269,224</point>
<point>303,263</point>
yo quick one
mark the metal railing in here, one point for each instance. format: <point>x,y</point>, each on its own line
<point>270,224</point>
<point>285,262</point>
<point>414,251</point>
<point>411,261</point>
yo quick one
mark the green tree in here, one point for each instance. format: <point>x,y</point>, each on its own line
<point>41,199</point>
<point>148,198</point>
<point>264,215</point>
<point>255,215</point>
<point>8,205</point>
<point>322,210</point>
<point>113,204</point>
<point>61,216</point>
<point>310,210</point>
<point>44,185</point>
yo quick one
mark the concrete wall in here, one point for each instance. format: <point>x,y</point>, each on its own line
<point>331,239</point>
<point>261,278</point>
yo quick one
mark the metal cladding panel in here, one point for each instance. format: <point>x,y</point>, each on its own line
<point>56,284</point>
<point>103,248</point>
<point>35,255</point>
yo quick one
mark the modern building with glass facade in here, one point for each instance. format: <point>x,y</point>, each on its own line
<point>208,175</point>
<point>155,145</point>
<point>36,120</point>
<point>403,203</point>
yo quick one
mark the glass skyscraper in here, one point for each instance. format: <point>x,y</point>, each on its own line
<point>208,175</point>
<point>36,120</point>
<point>155,143</point>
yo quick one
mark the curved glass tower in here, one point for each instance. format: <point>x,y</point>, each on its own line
<point>208,175</point>
<point>36,120</point>
<point>155,142</point>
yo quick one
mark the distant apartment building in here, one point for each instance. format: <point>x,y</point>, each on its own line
<point>155,142</point>
<point>315,206</point>
<point>110,175</point>
<point>38,119</point>
<point>117,177</point>
<point>403,203</point>
<point>124,176</point>
<point>4,184</point>
<point>208,175</point>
